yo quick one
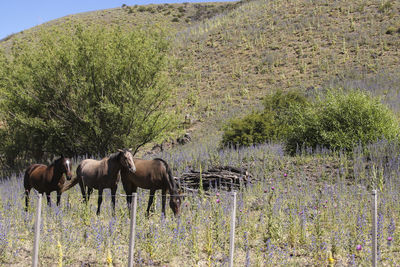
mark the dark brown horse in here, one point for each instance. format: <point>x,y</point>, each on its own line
<point>46,179</point>
<point>152,174</point>
<point>100,174</point>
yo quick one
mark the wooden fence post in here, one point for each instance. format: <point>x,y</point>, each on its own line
<point>132,230</point>
<point>232,236</point>
<point>37,232</point>
<point>374,227</point>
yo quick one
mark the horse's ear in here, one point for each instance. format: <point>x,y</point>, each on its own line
<point>181,192</point>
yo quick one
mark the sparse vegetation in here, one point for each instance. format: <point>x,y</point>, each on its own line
<point>310,208</point>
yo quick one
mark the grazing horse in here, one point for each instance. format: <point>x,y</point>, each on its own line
<point>46,179</point>
<point>101,174</point>
<point>152,174</point>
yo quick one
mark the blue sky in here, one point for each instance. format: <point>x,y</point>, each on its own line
<point>18,15</point>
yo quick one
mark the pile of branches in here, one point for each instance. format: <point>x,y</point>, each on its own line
<point>220,178</point>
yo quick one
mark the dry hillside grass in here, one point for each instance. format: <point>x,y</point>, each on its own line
<point>232,54</point>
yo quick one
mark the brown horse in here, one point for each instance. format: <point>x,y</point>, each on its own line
<point>46,179</point>
<point>152,174</point>
<point>100,174</point>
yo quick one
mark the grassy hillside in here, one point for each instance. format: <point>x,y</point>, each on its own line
<point>173,16</point>
<point>264,45</point>
<point>311,209</point>
<point>232,54</point>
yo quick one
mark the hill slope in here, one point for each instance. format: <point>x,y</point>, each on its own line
<point>232,54</point>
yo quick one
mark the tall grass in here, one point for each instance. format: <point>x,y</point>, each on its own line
<point>313,208</point>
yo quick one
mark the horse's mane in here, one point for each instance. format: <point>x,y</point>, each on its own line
<point>55,161</point>
<point>172,183</point>
<point>114,156</point>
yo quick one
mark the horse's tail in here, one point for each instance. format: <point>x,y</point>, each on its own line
<point>73,181</point>
<point>28,171</point>
<point>26,177</point>
<point>172,184</point>
<point>70,184</point>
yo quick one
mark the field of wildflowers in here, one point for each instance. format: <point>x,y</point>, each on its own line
<point>314,208</point>
<point>311,209</point>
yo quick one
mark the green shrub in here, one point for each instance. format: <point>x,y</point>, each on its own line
<point>84,90</point>
<point>254,128</point>
<point>281,106</point>
<point>273,123</point>
<point>340,120</point>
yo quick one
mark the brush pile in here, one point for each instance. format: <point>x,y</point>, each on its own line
<point>220,178</point>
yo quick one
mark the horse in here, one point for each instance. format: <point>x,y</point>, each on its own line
<point>46,179</point>
<point>152,174</point>
<point>100,174</point>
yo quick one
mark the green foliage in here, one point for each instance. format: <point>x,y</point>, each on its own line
<point>254,128</point>
<point>83,90</point>
<point>281,105</point>
<point>340,120</point>
<point>385,6</point>
<point>337,120</point>
<point>392,30</point>
<point>273,123</point>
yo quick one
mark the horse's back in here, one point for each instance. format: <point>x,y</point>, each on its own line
<point>150,174</point>
<point>34,176</point>
<point>89,170</point>
<point>89,164</point>
<point>95,174</point>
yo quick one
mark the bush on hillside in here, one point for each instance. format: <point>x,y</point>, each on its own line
<point>83,90</point>
<point>254,128</point>
<point>341,120</point>
<point>281,105</point>
<point>272,124</point>
<point>337,120</point>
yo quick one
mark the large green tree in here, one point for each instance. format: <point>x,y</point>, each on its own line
<point>83,90</point>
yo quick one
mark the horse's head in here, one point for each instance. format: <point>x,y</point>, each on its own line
<point>175,202</point>
<point>64,164</point>
<point>126,159</point>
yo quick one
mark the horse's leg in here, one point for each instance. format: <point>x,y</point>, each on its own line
<point>163,201</point>
<point>58,197</point>
<point>89,192</point>
<point>27,191</point>
<point>99,201</point>
<point>82,186</point>
<point>129,190</point>
<point>48,199</point>
<point>151,198</point>
<point>113,192</point>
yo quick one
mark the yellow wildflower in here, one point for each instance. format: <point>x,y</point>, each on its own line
<point>109,258</point>
<point>331,260</point>
<point>60,254</point>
